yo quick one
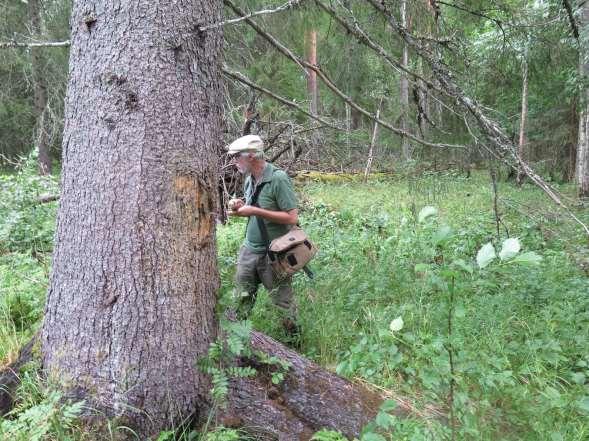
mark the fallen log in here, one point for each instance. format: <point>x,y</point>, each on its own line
<point>9,377</point>
<point>309,399</point>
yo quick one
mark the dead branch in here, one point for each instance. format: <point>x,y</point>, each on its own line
<point>288,5</point>
<point>323,76</point>
<point>243,79</point>
<point>490,128</point>
<point>10,44</point>
<point>45,198</point>
<point>571,15</point>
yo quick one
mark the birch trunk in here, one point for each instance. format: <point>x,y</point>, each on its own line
<point>404,89</point>
<point>311,74</point>
<point>522,150</point>
<point>582,163</point>
<point>130,305</point>
<point>372,143</point>
<point>41,137</point>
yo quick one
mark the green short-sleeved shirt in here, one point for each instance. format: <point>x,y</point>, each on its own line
<point>276,195</point>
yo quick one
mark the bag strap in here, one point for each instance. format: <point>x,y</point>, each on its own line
<point>261,224</point>
<point>264,230</point>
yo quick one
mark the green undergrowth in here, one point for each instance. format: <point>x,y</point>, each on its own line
<point>499,348</point>
<point>520,331</point>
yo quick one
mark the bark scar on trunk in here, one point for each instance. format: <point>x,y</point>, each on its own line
<point>89,19</point>
<point>194,208</point>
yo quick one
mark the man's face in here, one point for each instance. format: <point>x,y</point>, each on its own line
<point>242,162</point>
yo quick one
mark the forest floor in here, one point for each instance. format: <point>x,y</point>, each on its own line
<point>399,299</point>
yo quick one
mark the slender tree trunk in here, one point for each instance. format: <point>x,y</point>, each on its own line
<point>372,143</point>
<point>582,165</point>
<point>522,150</point>
<point>130,305</point>
<point>571,159</point>
<point>404,89</point>
<point>436,110</point>
<point>41,137</point>
<point>582,160</point>
<point>311,74</point>
<point>422,103</point>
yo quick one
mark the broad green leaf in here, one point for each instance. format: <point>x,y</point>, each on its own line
<point>426,212</point>
<point>460,263</point>
<point>384,420</point>
<point>529,258</point>
<point>578,378</point>
<point>442,235</point>
<point>388,405</point>
<point>371,436</point>
<point>485,255</point>
<point>583,404</point>
<point>421,267</point>
<point>510,248</point>
<point>396,325</point>
<point>460,312</point>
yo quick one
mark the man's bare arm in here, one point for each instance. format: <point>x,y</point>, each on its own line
<point>290,217</point>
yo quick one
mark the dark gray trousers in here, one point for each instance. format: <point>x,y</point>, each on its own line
<point>253,269</point>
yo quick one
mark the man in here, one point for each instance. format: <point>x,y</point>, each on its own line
<point>276,207</point>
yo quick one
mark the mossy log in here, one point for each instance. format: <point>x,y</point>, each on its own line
<point>10,379</point>
<point>309,399</point>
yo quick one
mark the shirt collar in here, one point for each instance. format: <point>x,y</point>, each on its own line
<point>266,174</point>
<point>268,171</point>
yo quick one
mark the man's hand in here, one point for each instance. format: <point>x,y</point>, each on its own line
<point>235,204</point>
<point>244,211</point>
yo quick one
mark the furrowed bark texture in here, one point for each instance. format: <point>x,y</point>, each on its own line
<point>130,306</point>
<point>309,399</point>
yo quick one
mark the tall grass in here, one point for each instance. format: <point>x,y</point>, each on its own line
<point>519,336</point>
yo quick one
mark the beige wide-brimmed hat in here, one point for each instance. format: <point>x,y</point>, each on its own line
<point>247,143</point>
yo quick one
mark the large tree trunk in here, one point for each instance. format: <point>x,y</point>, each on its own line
<point>131,300</point>
<point>39,89</point>
<point>404,88</point>
<point>582,166</point>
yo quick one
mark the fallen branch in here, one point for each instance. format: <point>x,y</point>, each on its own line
<point>243,79</point>
<point>289,54</point>
<point>9,44</point>
<point>45,198</point>
<point>504,147</point>
<point>288,5</point>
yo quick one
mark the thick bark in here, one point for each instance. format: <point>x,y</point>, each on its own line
<point>582,163</point>
<point>309,399</point>
<point>404,88</point>
<point>134,280</point>
<point>39,90</point>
